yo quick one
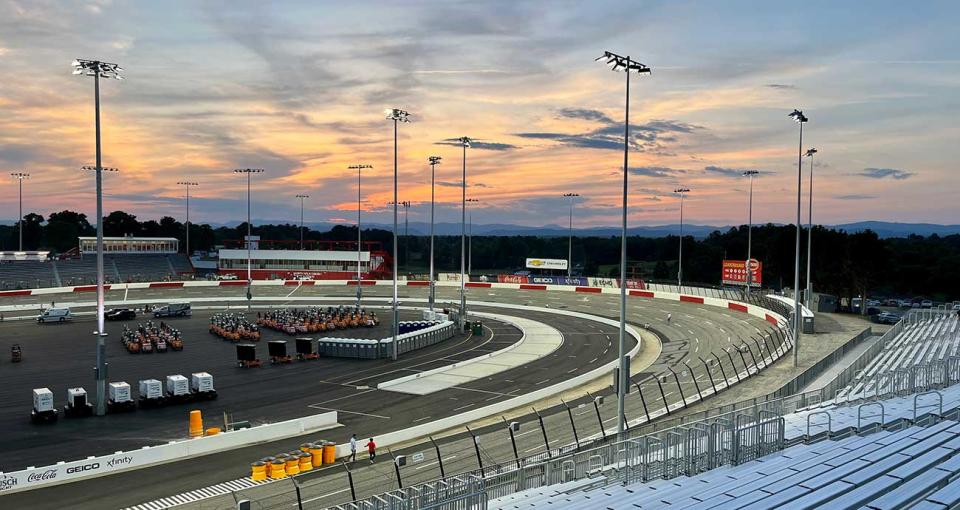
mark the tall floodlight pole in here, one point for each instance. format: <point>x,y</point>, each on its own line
<point>434,161</point>
<point>358,167</point>
<point>808,289</point>
<point>406,233</point>
<point>797,116</point>
<point>465,143</point>
<point>750,174</point>
<point>187,185</point>
<point>249,172</point>
<point>20,176</point>
<point>681,192</point>
<point>397,116</point>
<point>301,197</point>
<point>470,236</point>
<point>98,70</point>
<point>571,197</point>
<point>630,66</point>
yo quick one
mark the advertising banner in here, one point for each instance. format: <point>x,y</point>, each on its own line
<point>559,280</point>
<point>512,278</point>
<point>610,283</point>
<point>734,272</point>
<point>635,284</point>
<point>448,277</point>
<point>560,264</point>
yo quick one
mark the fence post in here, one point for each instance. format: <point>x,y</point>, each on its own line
<point>476,448</point>
<point>722,371</point>
<point>546,442</point>
<point>353,490</point>
<point>643,401</point>
<point>573,425</point>
<point>439,457</point>
<point>296,487</point>
<point>663,396</point>
<point>754,358</point>
<point>680,388</point>
<point>596,407</point>
<point>694,377</point>
<point>709,374</point>
<point>760,352</point>
<point>513,440</point>
<point>734,365</point>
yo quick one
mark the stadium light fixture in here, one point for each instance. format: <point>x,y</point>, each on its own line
<point>20,176</point>
<point>434,161</point>
<point>750,174</point>
<point>188,185</point>
<point>800,119</point>
<point>99,69</point>
<point>630,66</point>
<point>249,172</point>
<point>301,197</point>
<point>465,143</point>
<point>358,167</point>
<point>397,116</point>
<point>571,197</point>
<point>681,192</point>
<point>470,236</point>
<point>808,290</point>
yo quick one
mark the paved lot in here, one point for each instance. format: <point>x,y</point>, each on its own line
<point>694,331</point>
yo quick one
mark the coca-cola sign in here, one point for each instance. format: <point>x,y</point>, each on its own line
<point>40,476</point>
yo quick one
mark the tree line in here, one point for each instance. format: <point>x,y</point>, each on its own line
<point>844,264</point>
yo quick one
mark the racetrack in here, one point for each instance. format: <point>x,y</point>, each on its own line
<point>695,330</point>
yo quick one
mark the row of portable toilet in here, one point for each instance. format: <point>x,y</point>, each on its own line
<point>364,348</point>
<point>307,458</point>
<point>410,326</point>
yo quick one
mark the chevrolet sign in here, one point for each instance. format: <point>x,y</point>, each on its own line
<point>560,264</point>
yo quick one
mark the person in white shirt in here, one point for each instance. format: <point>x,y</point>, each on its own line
<point>353,448</point>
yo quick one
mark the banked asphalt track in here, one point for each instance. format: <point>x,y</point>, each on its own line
<point>695,330</point>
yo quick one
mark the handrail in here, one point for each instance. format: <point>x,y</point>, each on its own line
<point>939,402</point>
<point>860,409</point>
<point>829,421</point>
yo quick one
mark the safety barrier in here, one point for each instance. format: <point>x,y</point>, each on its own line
<point>65,472</point>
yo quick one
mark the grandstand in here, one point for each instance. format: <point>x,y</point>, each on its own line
<point>889,440</point>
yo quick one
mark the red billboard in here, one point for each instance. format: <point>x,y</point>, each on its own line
<point>512,278</point>
<point>735,272</point>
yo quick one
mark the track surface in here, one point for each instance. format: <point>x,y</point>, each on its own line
<point>694,331</point>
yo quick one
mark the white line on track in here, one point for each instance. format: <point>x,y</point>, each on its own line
<point>350,412</point>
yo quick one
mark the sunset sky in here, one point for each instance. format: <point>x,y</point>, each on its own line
<point>299,89</point>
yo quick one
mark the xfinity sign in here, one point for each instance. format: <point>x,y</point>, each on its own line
<point>560,264</point>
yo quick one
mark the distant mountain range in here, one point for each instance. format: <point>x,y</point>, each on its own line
<point>882,228</point>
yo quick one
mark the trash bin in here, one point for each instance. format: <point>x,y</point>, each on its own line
<point>477,328</point>
<point>466,326</point>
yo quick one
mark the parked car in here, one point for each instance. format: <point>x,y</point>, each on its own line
<point>926,303</point>
<point>226,277</point>
<point>120,314</point>
<point>173,310</point>
<point>873,302</point>
<point>887,318</point>
<point>891,302</point>
<point>55,315</point>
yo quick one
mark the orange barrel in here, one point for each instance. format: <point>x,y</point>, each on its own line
<point>212,431</point>
<point>305,447</point>
<point>268,462</point>
<point>306,462</point>
<point>329,452</point>
<point>258,471</point>
<point>293,465</point>
<point>196,423</point>
<point>316,451</point>
<point>277,470</point>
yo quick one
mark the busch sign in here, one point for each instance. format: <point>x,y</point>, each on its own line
<point>735,272</point>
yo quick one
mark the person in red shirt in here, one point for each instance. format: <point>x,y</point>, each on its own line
<point>372,449</point>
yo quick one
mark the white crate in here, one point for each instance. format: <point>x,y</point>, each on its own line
<point>177,385</point>
<point>76,397</point>
<point>150,389</point>
<point>201,382</point>
<point>119,392</point>
<point>42,400</point>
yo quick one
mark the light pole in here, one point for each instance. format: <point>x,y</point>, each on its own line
<point>187,185</point>
<point>807,291</point>
<point>797,116</point>
<point>98,70</point>
<point>630,66</point>
<point>301,197</point>
<point>464,142</point>
<point>20,176</point>
<point>750,174</point>
<point>397,116</point>
<point>681,191</point>
<point>434,161</point>
<point>249,172</point>
<point>358,167</point>
<point>571,197</point>
<point>470,237</point>
<point>406,233</point>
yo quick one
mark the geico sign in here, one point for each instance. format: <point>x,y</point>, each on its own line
<point>85,467</point>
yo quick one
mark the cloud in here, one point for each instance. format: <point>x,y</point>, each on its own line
<point>479,144</point>
<point>883,173</point>
<point>457,184</point>
<point>726,172</point>
<point>780,86</point>
<point>855,197</point>
<point>655,171</point>
<point>648,137</point>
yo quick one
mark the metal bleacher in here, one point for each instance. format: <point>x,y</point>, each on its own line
<point>83,271</point>
<point>26,274</point>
